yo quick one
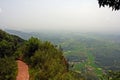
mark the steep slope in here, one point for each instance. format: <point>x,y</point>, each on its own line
<point>45,60</point>
<point>8,46</point>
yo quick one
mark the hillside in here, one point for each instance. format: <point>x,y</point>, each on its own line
<point>8,46</point>
<point>104,47</point>
<point>91,54</point>
<point>45,61</point>
<point>87,56</point>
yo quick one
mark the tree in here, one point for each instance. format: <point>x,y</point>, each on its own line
<point>32,45</point>
<point>8,44</point>
<point>5,48</point>
<point>8,68</point>
<point>114,4</point>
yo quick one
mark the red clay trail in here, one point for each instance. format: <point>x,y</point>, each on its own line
<point>23,73</point>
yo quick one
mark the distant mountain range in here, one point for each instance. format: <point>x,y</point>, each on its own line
<point>23,35</point>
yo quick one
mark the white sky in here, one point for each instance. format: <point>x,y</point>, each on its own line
<point>83,15</point>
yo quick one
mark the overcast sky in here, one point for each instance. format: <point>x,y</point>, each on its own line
<point>83,15</point>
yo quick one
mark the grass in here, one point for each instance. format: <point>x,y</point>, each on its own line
<point>89,63</point>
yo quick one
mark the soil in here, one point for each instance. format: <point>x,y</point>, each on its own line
<point>23,73</point>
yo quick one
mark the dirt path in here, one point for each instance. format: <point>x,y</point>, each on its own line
<point>23,73</point>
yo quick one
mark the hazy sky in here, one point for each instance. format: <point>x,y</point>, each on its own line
<point>83,15</point>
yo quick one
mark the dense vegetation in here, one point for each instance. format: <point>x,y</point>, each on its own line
<point>88,57</point>
<point>87,53</point>
<point>8,46</point>
<point>45,61</point>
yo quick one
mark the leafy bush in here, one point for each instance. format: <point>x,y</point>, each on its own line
<point>8,68</point>
<point>8,46</point>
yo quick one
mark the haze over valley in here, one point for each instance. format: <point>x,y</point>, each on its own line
<point>59,40</point>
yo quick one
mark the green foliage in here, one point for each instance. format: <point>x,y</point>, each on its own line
<point>46,62</point>
<point>8,46</point>
<point>8,69</point>
<point>112,75</point>
<point>32,46</point>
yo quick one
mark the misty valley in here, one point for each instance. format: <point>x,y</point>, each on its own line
<point>59,39</point>
<point>91,56</point>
